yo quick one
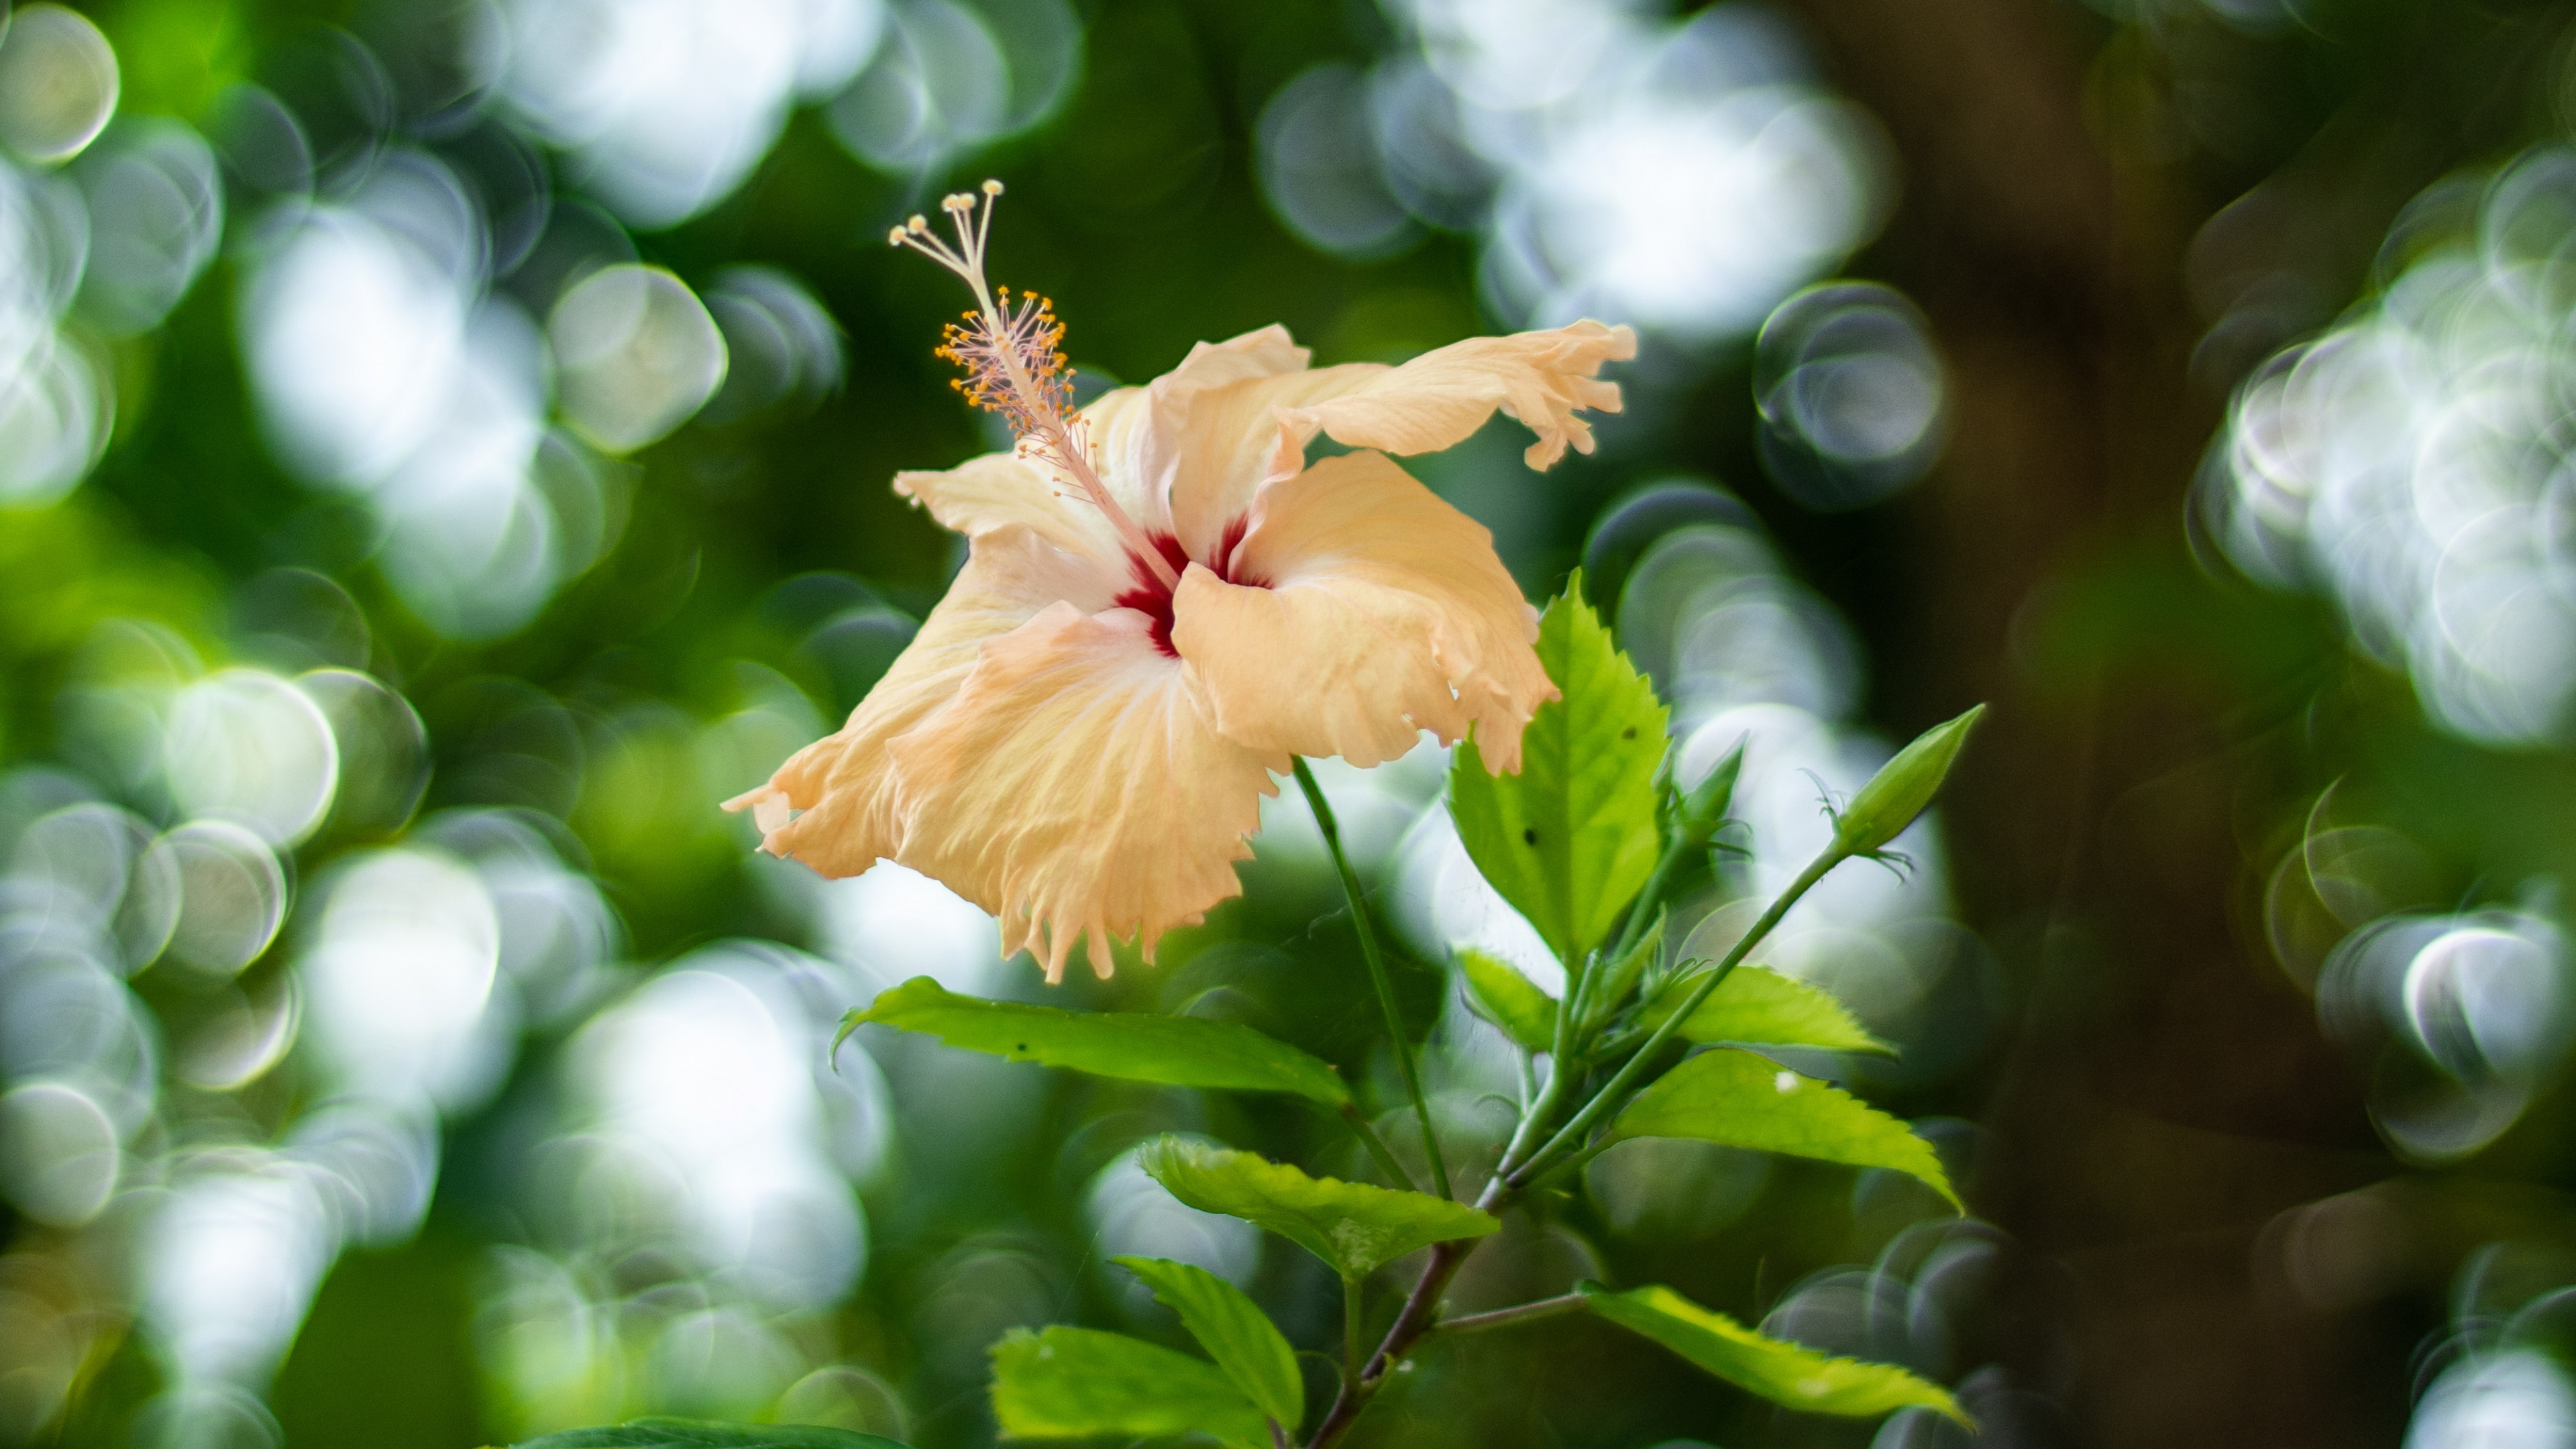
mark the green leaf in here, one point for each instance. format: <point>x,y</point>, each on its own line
<point>1508,999</point>
<point>1355,1226</point>
<point>1784,1373</point>
<point>1571,838</point>
<point>1903,786</point>
<point>1177,1051</point>
<point>1743,1100</point>
<point>660,1433</point>
<point>1234,1331</point>
<point>1756,1006</point>
<point>1074,1383</point>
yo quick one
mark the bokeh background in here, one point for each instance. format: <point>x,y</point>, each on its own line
<point>444,449</point>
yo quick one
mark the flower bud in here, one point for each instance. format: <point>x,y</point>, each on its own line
<point>1901,788</point>
<point>1704,806</point>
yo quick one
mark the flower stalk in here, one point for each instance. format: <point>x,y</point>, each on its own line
<point>1331,829</point>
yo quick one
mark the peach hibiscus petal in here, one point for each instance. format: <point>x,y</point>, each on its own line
<point>1073,788</point>
<point>1225,444</point>
<point>1137,433</point>
<point>1368,610</point>
<point>1269,352</point>
<point>1435,401</point>
<point>999,490</point>
<point>833,805</point>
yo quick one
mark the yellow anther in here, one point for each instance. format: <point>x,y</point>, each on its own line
<point>918,224</point>
<point>992,188</point>
<point>894,238</point>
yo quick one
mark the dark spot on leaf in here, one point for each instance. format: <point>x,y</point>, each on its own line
<point>1629,733</point>
<point>1529,837</point>
<point>1024,1046</point>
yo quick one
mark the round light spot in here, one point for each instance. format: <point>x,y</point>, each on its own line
<point>896,923</point>
<point>232,894</point>
<point>71,865</point>
<point>779,342</point>
<point>1853,401</point>
<point>840,1397</point>
<point>399,975</point>
<point>635,355</point>
<point>156,206</point>
<point>2486,1002</point>
<point>244,1037</point>
<point>247,746</point>
<point>54,415</point>
<point>1319,166</point>
<point>58,83</point>
<point>939,84</point>
<point>58,1153</point>
<point>383,749</point>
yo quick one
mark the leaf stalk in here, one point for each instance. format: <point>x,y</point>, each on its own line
<point>1378,1151</point>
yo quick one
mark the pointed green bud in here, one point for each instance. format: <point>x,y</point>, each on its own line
<point>1620,977</point>
<point>1901,788</point>
<point>1704,808</point>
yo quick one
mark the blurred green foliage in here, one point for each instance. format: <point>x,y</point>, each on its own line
<point>2110,218</point>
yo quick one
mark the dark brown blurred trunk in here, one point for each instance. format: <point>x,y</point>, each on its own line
<point>2162,1094</point>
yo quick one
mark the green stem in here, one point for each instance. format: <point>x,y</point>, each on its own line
<point>1505,1317</point>
<point>1377,968</point>
<point>1377,1148</point>
<point>1615,1091</point>
<point>1642,910</point>
<point>1573,1162</point>
<point>1570,1013</point>
<point>1351,1327</point>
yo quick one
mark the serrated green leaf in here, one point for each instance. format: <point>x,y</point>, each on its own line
<point>1784,1373</point>
<point>1355,1226</point>
<point>1571,838</point>
<point>1233,1330</point>
<point>1742,1100</point>
<point>1176,1051</point>
<point>1508,999</point>
<point>1074,1383</point>
<point>662,1433</point>
<point>1756,1006</point>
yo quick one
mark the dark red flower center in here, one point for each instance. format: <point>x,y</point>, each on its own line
<point>1147,596</point>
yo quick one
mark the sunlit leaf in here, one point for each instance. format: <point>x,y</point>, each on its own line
<point>1355,1226</point>
<point>1233,1330</point>
<point>1760,1007</point>
<point>1742,1100</point>
<point>1785,1373</point>
<point>1075,1383</point>
<point>1177,1051</point>
<point>659,1433</point>
<point>1508,999</point>
<point>1571,838</point>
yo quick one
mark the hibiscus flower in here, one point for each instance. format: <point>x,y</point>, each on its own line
<point>1162,603</point>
